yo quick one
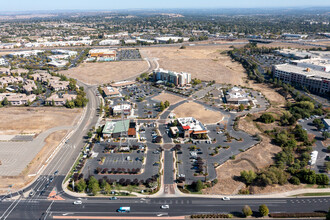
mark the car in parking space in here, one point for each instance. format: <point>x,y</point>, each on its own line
<point>113,198</point>
<point>77,202</point>
<point>165,207</point>
<point>56,172</point>
<point>31,193</point>
<point>225,198</point>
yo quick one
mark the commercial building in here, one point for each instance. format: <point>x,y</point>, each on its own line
<point>237,96</point>
<point>65,52</point>
<point>191,127</point>
<point>314,80</point>
<point>124,108</point>
<point>58,63</point>
<point>122,84</point>
<point>326,123</point>
<point>164,40</point>
<point>166,76</point>
<point>109,42</point>
<point>103,53</point>
<point>115,129</point>
<point>110,92</point>
<point>294,36</point>
<point>27,53</point>
<point>314,63</point>
<point>3,62</point>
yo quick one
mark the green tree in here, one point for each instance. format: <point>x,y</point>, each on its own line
<point>263,209</point>
<point>167,104</point>
<point>248,176</point>
<point>326,135</point>
<point>199,186</point>
<point>95,188</point>
<point>5,101</point>
<point>247,211</point>
<point>241,107</point>
<point>322,179</point>
<point>81,185</point>
<point>328,215</point>
<point>267,118</point>
<point>107,188</point>
<point>161,106</point>
<point>89,134</point>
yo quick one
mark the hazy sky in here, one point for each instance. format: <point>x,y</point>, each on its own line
<point>24,5</point>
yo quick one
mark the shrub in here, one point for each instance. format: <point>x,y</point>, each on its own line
<point>267,118</point>
<point>247,211</point>
<point>294,180</point>
<point>263,209</point>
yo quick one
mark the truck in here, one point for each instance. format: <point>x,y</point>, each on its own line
<point>124,209</point>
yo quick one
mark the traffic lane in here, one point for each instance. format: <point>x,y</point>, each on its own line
<point>182,206</point>
<point>29,210</point>
<point>168,167</point>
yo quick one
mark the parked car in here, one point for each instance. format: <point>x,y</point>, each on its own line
<point>225,198</point>
<point>113,198</point>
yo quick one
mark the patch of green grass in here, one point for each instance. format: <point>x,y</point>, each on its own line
<point>314,194</point>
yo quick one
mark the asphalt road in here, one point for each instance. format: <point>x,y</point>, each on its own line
<point>41,209</point>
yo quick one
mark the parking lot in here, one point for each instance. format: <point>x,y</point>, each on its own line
<point>138,164</point>
<point>128,54</point>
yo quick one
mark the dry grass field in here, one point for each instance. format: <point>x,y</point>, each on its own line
<point>203,62</point>
<point>192,109</point>
<point>26,120</point>
<point>106,72</point>
<point>260,156</point>
<point>169,97</point>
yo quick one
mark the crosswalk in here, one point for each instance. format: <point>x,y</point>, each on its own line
<point>302,201</point>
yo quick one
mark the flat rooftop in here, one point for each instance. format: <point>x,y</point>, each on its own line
<point>303,70</point>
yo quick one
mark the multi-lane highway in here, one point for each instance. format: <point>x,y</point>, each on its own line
<point>96,208</point>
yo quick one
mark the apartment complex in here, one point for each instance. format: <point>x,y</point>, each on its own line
<point>314,80</point>
<point>17,98</point>
<point>166,76</point>
<point>60,100</point>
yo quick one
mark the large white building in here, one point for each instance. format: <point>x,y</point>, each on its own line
<point>314,80</point>
<point>65,52</point>
<point>109,42</point>
<point>315,64</point>
<point>163,40</point>
<point>178,79</point>
<point>3,62</point>
<point>27,53</point>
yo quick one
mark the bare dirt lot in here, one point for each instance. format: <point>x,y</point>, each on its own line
<point>164,96</point>
<point>203,62</point>
<point>27,120</point>
<point>259,157</point>
<point>106,72</point>
<point>192,109</point>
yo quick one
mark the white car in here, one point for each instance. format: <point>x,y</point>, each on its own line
<point>78,202</point>
<point>225,198</point>
<point>165,207</point>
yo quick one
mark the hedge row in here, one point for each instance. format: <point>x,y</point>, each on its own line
<point>297,215</point>
<point>212,216</point>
